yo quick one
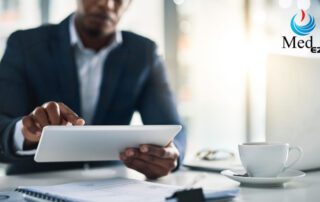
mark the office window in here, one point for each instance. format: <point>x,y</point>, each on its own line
<point>212,73</point>
<point>269,22</point>
<point>17,14</point>
<point>222,51</point>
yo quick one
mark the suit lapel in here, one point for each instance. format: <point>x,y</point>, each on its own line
<point>68,79</point>
<point>113,68</point>
<point>66,68</point>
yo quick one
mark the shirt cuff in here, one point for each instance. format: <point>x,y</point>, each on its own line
<point>18,141</point>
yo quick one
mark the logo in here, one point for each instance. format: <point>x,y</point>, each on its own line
<point>303,30</point>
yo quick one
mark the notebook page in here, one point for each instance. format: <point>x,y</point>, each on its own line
<point>116,189</point>
<point>119,189</point>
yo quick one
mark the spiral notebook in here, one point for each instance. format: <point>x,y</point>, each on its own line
<point>115,189</point>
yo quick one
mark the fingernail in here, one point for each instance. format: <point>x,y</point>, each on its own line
<point>129,153</point>
<point>144,149</point>
<point>80,122</point>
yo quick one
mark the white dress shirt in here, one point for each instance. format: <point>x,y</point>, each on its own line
<point>90,70</point>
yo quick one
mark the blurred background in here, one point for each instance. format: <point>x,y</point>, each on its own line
<point>215,51</point>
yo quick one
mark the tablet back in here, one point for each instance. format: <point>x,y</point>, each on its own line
<point>98,143</point>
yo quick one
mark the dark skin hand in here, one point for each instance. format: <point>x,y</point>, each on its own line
<point>50,113</point>
<point>153,161</point>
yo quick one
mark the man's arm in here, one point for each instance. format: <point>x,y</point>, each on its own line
<point>157,103</point>
<point>15,95</point>
<point>157,107</point>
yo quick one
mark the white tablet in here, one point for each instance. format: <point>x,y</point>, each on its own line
<point>98,143</point>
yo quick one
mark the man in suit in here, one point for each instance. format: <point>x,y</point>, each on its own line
<point>85,70</point>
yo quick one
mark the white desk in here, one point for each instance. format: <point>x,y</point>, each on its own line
<point>304,189</point>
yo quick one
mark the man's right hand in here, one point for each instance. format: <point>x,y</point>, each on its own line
<point>50,113</point>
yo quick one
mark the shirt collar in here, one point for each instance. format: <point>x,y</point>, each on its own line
<point>75,39</point>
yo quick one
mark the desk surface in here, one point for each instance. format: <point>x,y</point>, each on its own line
<point>304,189</point>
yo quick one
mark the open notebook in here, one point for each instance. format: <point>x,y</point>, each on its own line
<point>115,189</point>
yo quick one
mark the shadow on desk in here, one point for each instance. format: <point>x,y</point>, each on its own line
<point>33,167</point>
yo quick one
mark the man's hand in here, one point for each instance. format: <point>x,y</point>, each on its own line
<point>152,161</point>
<point>50,113</point>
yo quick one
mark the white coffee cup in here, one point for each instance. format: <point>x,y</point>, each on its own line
<point>263,159</point>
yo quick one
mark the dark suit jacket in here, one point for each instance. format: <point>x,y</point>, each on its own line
<point>39,66</point>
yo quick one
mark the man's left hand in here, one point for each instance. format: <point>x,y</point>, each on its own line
<point>152,161</point>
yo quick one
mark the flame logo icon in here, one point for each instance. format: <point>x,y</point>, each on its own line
<point>305,29</point>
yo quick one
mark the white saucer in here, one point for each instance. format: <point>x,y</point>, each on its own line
<point>284,177</point>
